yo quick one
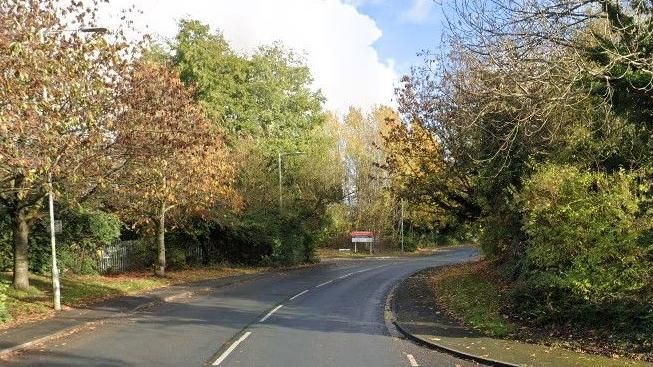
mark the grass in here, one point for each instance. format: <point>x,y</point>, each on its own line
<point>81,290</point>
<point>474,294</point>
<point>471,293</point>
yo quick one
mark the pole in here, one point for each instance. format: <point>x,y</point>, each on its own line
<point>56,288</point>
<point>402,225</point>
<point>280,187</point>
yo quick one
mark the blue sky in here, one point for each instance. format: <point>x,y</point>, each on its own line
<point>405,35</point>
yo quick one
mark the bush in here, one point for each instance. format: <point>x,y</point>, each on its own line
<point>247,243</point>
<point>143,253</point>
<point>84,232</point>
<point>4,314</point>
<point>584,253</point>
<point>6,249</point>
<point>295,244</point>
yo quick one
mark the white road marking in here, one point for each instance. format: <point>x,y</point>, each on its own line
<point>298,294</point>
<point>231,349</point>
<point>372,268</point>
<point>270,313</point>
<point>344,276</point>
<point>412,360</point>
<point>325,283</point>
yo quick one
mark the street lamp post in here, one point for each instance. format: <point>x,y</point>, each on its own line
<point>56,288</point>
<point>56,285</point>
<point>402,226</point>
<point>281,154</point>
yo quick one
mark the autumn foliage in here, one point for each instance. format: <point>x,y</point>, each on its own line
<point>56,92</point>
<point>179,148</point>
<point>172,160</point>
<point>107,124</point>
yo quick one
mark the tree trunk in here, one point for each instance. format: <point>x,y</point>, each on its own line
<point>160,236</point>
<point>21,261</point>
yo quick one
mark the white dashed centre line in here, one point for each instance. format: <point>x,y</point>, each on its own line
<point>344,276</point>
<point>270,313</point>
<point>412,360</point>
<point>298,294</point>
<point>231,348</point>
<point>325,283</point>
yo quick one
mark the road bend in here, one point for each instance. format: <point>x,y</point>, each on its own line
<point>330,315</point>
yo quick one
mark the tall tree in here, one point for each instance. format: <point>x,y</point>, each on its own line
<point>175,160</point>
<point>267,95</point>
<point>265,104</point>
<point>55,98</point>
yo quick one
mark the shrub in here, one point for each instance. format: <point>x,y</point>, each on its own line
<point>584,254</point>
<point>6,249</point>
<point>84,232</point>
<point>4,314</point>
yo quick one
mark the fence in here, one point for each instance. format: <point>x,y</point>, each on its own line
<point>116,258</point>
<point>121,257</point>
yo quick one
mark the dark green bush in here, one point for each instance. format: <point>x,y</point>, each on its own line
<point>143,253</point>
<point>6,252</point>
<point>247,243</point>
<point>295,243</point>
<point>84,233</point>
<point>584,253</point>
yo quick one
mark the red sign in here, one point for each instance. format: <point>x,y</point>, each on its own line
<point>362,234</point>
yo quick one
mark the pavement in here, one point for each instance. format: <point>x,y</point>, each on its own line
<point>26,335</point>
<point>331,315</point>
<point>417,316</point>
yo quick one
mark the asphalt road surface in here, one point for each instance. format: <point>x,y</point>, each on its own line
<point>331,315</point>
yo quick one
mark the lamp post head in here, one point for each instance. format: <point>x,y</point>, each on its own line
<point>94,30</point>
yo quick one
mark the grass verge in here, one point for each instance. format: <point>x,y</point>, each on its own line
<point>79,290</point>
<point>475,295</point>
<point>471,293</point>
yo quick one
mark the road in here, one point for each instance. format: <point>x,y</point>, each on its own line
<point>331,315</point>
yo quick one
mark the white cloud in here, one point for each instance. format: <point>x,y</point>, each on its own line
<point>359,3</point>
<point>419,11</point>
<point>335,37</point>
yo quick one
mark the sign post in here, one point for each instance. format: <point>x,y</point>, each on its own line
<point>58,226</point>
<point>362,236</point>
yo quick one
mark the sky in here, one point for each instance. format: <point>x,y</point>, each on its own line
<point>356,49</point>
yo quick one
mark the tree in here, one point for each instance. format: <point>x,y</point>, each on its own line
<point>538,116</point>
<point>265,104</point>
<point>421,173</point>
<point>175,161</point>
<point>267,95</point>
<point>55,103</point>
<point>575,49</point>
